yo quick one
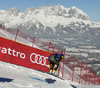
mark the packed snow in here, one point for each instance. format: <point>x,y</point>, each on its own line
<point>20,78</point>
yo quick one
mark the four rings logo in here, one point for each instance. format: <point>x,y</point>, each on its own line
<point>36,58</point>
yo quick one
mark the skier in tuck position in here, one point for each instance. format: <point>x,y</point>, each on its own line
<point>54,59</point>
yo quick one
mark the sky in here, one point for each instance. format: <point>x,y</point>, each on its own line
<point>90,7</point>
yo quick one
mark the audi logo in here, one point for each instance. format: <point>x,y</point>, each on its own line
<point>36,58</point>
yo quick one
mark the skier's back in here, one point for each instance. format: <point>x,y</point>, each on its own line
<point>54,59</point>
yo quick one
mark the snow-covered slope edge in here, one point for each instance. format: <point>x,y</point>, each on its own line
<point>21,79</point>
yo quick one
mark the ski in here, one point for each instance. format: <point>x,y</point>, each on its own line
<point>55,75</point>
<point>52,75</point>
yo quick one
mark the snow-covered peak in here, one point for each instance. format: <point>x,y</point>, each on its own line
<point>29,10</point>
<point>59,10</point>
<point>47,16</point>
<point>14,11</point>
<point>75,12</point>
<point>58,7</point>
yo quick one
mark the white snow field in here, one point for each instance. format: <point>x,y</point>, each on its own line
<point>21,79</point>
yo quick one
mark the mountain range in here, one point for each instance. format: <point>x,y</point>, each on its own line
<point>65,27</point>
<point>55,22</point>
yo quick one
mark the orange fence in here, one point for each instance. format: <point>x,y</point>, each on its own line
<point>70,68</point>
<point>80,72</point>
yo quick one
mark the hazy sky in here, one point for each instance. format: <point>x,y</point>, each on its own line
<point>90,7</point>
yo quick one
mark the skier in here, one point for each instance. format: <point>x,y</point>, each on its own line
<point>54,59</point>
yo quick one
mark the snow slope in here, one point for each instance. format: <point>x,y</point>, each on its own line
<point>20,77</point>
<point>21,80</point>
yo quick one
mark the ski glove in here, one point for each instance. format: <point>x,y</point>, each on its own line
<point>48,66</point>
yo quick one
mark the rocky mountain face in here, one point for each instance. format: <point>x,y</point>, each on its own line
<point>52,22</point>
